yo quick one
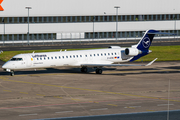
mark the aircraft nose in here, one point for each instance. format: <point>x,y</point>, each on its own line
<point>5,66</point>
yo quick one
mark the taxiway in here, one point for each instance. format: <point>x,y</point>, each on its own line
<point>65,92</point>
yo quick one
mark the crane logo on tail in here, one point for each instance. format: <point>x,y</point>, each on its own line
<point>1,8</point>
<point>146,42</point>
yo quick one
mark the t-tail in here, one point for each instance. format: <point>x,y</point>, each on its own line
<point>143,46</point>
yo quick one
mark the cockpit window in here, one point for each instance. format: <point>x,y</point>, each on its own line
<point>16,59</point>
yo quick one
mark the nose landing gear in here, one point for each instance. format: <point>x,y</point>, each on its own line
<point>12,73</point>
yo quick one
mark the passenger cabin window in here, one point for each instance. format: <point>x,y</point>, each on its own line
<point>48,58</point>
<point>73,56</point>
<point>37,58</point>
<point>90,55</point>
<point>55,57</point>
<point>44,58</point>
<point>63,57</point>
<point>101,54</point>
<point>108,53</point>
<point>94,55</point>
<point>104,54</point>
<point>51,57</point>
<point>97,54</point>
<point>80,55</point>
<point>85,55</point>
<point>70,56</point>
<point>77,56</point>
<point>16,59</point>
<point>115,53</point>
<point>59,57</point>
<point>66,56</point>
<point>112,53</point>
<point>40,58</point>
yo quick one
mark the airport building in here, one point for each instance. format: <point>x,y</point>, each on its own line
<point>37,20</point>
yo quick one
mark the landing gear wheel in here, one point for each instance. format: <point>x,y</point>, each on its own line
<point>98,71</point>
<point>84,69</point>
<point>12,73</point>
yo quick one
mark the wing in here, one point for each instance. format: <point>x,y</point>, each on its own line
<point>109,65</point>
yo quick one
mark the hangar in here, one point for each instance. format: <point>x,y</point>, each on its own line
<point>86,19</point>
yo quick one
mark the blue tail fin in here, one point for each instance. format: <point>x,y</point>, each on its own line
<point>145,43</point>
<point>146,40</point>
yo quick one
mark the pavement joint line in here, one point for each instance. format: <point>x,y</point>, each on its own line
<point>64,112</point>
<point>164,104</point>
<point>98,109</point>
<point>27,114</point>
<point>91,90</point>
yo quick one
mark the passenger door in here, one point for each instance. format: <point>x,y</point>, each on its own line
<point>29,61</point>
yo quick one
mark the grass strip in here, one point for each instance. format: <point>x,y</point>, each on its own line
<point>163,53</point>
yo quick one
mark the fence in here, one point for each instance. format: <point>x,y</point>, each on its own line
<point>75,41</point>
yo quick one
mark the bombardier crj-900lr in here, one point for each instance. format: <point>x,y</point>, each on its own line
<point>96,58</point>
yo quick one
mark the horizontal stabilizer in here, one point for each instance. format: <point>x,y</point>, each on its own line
<point>151,62</point>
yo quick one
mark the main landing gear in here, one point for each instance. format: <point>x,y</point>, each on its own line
<point>85,70</point>
<point>98,71</point>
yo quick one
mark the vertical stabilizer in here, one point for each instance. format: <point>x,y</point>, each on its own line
<point>146,40</point>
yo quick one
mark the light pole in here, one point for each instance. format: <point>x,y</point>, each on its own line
<point>28,22</point>
<point>93,27</point>
<point>174,28</point>
<point>116,21</point>
<point>4,31</point>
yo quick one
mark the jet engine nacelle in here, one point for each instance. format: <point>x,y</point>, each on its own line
<point>132,51</point>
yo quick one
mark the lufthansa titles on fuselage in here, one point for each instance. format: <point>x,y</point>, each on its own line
<point>35,56</point>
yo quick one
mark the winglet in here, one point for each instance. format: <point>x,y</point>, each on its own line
<point>151,62</point>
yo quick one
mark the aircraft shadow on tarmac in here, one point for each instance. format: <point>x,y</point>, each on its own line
<point>112,71</point>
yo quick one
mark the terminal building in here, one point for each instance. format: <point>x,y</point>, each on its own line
<point>65,20</point>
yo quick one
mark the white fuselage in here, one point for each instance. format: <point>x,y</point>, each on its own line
<point>66,58</point>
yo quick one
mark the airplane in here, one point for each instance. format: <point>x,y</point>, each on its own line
<point>95,58</point>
